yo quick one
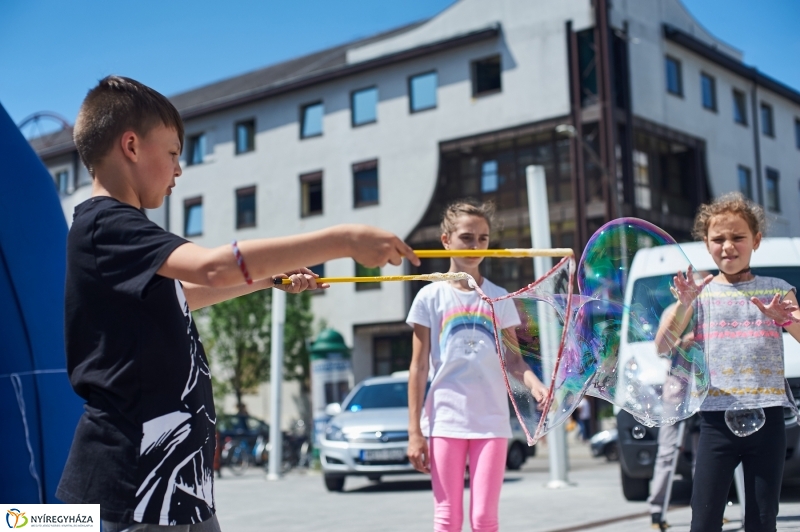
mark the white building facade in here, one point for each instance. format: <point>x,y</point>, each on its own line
<point>386,131</point>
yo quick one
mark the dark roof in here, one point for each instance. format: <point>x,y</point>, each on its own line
<point>277,74</point>
<point>731,63</point>
<point>53,144</point>
<point>284,77</point>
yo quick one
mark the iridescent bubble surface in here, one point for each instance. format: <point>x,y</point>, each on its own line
<point>610,340</point>
<point>744,419</point>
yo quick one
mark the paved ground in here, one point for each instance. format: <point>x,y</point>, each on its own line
<point>594,502</point>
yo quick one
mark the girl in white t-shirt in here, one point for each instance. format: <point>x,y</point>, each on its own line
<point>465,412</point>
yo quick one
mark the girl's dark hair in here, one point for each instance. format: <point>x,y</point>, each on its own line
<point>731,203</point>
<point>468,207</point>
<point>116,105</point>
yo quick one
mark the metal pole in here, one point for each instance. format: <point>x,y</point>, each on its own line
<point>275,381</point>
<point>671,477</point>
<point>539,214</point>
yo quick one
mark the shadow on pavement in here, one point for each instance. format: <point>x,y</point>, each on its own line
<point>394,485</point>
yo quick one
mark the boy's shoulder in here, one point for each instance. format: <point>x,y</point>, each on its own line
<point>98,206</point>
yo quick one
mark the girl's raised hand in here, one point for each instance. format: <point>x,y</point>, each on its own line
<point>685,289</point>
<point>780,310</point>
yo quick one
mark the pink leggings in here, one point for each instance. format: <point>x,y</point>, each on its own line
<point>487,463</point>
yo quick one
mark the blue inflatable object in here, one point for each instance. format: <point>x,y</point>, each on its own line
<point>38,409</point>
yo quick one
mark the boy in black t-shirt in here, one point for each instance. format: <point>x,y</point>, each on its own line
<point>144,447</point>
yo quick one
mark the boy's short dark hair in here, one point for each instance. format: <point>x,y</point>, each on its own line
<point>116,105</point>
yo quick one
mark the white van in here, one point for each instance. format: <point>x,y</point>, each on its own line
<point>652,270</point>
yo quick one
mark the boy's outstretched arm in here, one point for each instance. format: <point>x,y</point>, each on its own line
<point>198,296</point>
<point>268,257</point>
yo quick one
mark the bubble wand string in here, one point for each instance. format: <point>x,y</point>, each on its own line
<point>450,276</point>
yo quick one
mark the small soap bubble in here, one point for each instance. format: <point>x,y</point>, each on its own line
<point>744,419</point>
<point>638,432</point>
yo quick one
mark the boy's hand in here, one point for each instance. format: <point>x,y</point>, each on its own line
<point>371,247</point>
<point>685,290</point>
<point>302,279</point>
<point>418,453</point>
<point>779,310</point>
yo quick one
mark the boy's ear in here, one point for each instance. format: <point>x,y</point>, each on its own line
<point>445,240</point>
<point>705,241</point>
<point>757,241</point>
<point>129,142</point>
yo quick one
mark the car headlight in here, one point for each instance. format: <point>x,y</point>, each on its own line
<point>334,433</point>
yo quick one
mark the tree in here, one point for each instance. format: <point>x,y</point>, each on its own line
<point>237,335</point>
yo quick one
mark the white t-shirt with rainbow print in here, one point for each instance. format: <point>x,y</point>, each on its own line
<point>467,398</point>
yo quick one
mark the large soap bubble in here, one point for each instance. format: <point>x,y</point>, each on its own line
<point>610,339</point>
<point>658,376</point>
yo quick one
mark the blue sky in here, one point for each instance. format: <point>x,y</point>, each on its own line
<point>52,51</point>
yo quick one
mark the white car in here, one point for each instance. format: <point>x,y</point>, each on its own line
<point>368,434</point>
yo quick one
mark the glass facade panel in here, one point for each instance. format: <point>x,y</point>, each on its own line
<point>246,207</point>
<point>311,125</point>
<point>363,271</point>
<point>193,217</point>
<point>365,186</point>
<point>674,81</point>
<point>773,202</point>
<point>245,136</point>
<point>422,91</point>
<point>365,106</point>
<point>739,108</point>
<point>197,150</point>
<point>767,125</point>
<point>486,77</point>
<point>745,182</point>
<point>709,92</point>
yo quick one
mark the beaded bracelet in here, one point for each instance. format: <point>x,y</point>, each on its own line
<point>786,324</point>
<point>240,262</point>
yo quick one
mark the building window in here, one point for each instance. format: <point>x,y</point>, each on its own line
<point>193,217</point>
<point>797,132</point>
<point>641,180</point>
<point>489,177</point>
<point>708,86</point>
<point>739,107</point>
<point>311,194</point>
<point>745,182</point>
<point>767,125</point>
<point>364,105</point>
<point>773,196</point>
<point>365,183</point>
<point>319,269</point>
<point>197,149</point>
<point>246,207</point>
<point>674,78</point>
<point>62,182</point>
<point>311,120</point>
<point>391,353</point>
<point>422,91</point>
<point>486,76</point>
<point>363,271</point>
<point>245,136</point>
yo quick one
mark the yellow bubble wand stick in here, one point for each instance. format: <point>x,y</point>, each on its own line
<point>444,253</point>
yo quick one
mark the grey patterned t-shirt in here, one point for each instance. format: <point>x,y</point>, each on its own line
<point>744,348</point>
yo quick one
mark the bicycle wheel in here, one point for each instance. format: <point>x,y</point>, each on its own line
<point>240,460</point>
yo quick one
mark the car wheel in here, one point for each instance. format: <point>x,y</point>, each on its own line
<point>374,478</point>
<point>334,483</point>
<point>635,489</point>
<point>516,457</point>
<point>612,452</point>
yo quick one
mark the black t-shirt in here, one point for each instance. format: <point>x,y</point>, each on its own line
<point>144,447</point>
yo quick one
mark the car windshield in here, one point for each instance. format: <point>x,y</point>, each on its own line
<point>654,296</point>
<point>384,395</point>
